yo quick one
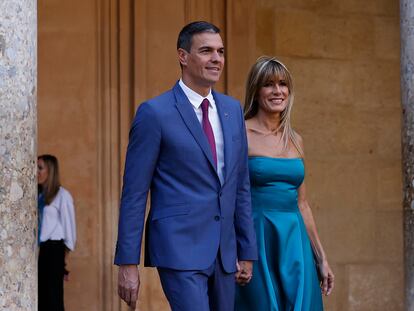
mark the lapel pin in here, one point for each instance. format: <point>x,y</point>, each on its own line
<point>226,114</point>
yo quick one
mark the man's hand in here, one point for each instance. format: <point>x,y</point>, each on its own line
<point>128,284</point>
<point>244,272</point>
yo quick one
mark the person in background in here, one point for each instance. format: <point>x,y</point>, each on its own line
<point>57,233</point>
<point>290,252</point>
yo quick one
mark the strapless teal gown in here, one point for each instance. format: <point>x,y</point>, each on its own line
<point>285,276</point>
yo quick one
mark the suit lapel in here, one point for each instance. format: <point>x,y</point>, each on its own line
<point>187,113</point>
<point>225,127</point>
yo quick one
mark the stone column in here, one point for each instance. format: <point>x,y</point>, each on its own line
<point>18,184</point>
<point>407,96</point>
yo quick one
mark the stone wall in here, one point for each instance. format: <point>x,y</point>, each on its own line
<point>407,135</point>
<point>344,57</point>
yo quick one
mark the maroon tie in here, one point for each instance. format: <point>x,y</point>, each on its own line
<point>208,130</point>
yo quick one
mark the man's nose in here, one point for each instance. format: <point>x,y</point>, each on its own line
<point>215,56</point>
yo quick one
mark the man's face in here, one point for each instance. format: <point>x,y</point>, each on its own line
<point>202,66</point>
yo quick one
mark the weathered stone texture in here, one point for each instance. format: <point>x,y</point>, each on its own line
<point>374,287</point>
<point>18,218</point>
<point>407,96</point>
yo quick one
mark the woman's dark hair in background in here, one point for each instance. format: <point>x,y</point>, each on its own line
<point>51,187</point>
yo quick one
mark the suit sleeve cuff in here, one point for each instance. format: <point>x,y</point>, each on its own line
<point>247,254</point>
<point>126,258</point>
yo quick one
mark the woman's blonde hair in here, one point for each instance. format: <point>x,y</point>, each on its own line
<point>52,184</point>
<point>264,70</point>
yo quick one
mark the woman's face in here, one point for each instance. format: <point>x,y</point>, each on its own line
<point>273,96</point>
<point>42,172</point>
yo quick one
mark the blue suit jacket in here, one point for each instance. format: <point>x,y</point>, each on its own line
<point>192,214</point>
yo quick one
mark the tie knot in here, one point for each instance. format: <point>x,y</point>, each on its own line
<point>204,105</point>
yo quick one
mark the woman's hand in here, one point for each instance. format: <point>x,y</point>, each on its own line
<point>327,278</point>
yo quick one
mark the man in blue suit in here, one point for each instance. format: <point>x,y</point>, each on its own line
<point>188,146</point>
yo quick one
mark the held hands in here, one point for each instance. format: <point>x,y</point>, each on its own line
<point>128,284</point>
<point>327,278</point>
<point>244,272</point>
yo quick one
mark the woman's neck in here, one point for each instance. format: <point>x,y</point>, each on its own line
<point>268,122</point>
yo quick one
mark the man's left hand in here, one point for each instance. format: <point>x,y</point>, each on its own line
<point>244,272</point>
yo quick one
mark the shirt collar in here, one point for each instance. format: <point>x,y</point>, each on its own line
<point>195,98</point>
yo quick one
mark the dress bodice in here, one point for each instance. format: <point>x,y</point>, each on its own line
<point>275,181</point>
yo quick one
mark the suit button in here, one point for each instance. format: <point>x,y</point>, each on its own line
<point>216,218</point>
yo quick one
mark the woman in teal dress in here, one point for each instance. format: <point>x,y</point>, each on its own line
<point>292,272</point>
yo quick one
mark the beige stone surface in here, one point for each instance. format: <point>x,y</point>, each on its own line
<point>265,30</point>
<point>389,186</point>
<point>311,5</point>
<point>388,237</point>
<point>370,80</point>
<point>375,287</point>
<point>162,72</point>
<point>67,126</point>
<point>306,33</point>
<point>386,43</point>
<point>308,73</point>
<point>348,235</point>
<point>371,7</point>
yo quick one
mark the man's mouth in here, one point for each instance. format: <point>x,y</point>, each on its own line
<point>213,69</point>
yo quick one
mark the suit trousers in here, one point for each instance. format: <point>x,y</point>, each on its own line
<point>51,269</point>
<point>211,289</point>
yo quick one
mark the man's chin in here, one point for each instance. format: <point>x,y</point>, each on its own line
<point>213,80</point>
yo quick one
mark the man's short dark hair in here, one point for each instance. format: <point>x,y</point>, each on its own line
<point>186,34</point>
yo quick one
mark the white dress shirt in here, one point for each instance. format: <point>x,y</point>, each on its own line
<point>58,221</point>
<point>196,100</point>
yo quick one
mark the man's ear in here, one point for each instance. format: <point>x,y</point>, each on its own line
<point>182,56</point>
